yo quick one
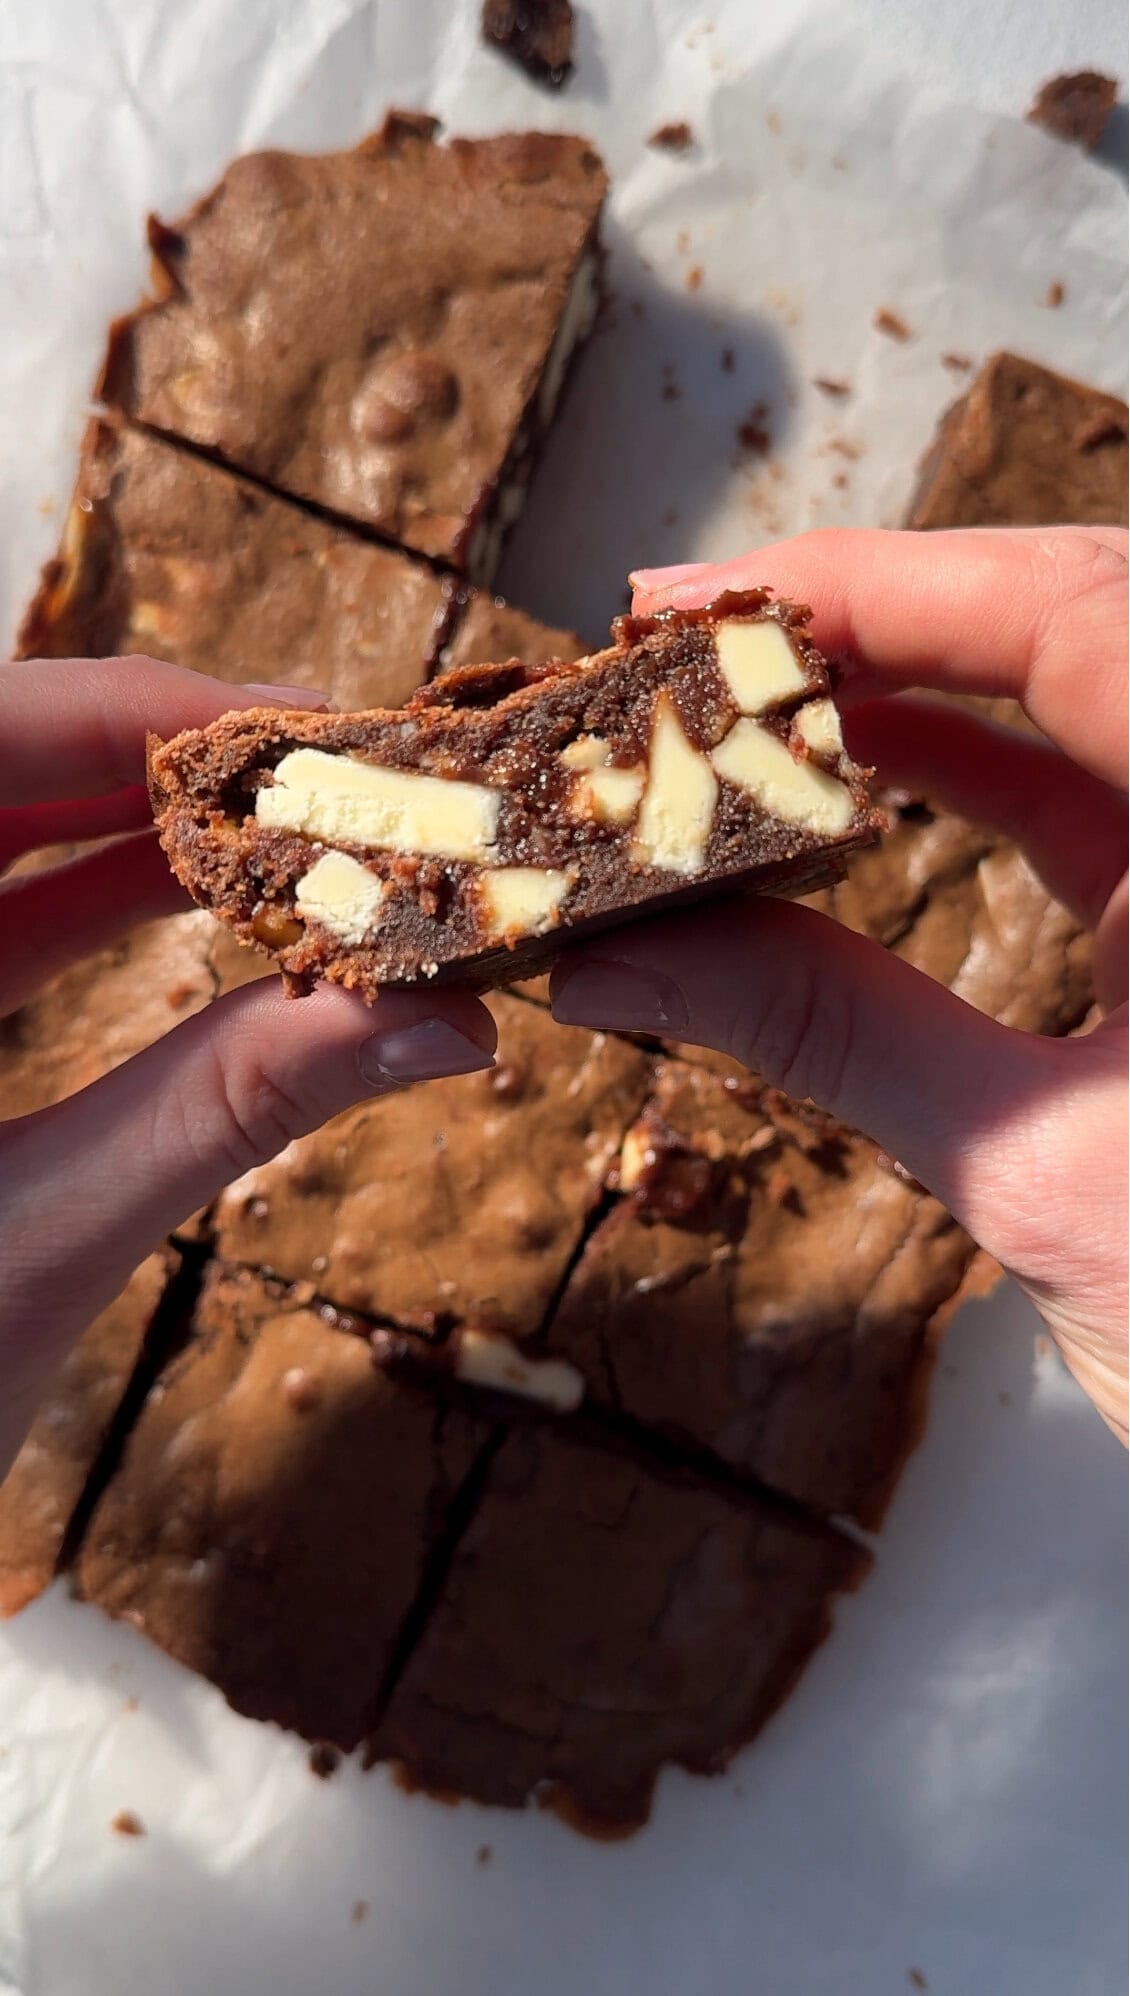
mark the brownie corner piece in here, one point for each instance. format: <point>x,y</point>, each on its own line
<point>510,809</point>
<point>384,332</point>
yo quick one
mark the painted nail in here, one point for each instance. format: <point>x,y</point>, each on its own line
<point>661,578</point>
<point>619,996</point>
<point>290,696</point>
<point>425,1052</point>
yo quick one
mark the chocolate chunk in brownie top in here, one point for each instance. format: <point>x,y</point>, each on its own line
<point>536,34</point>
<point>766,1288</point>
<point>1025,447</point>
<point>275,1508</point>
<point>384,331</point>
<point>603,1616</point>
<point>1075,107</point>
<point>508,809</point>
<point>170,556</point>
<point>47,1480</point>
<point>462,1200</point>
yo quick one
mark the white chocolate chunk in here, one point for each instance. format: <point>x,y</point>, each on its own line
<point>678,802</point>
<point>758,664</point>
<point>608,794</point>
<point>485,1358</point>
<point>523,899</point>
<point>342,895</point>
<point>799,792</point>
<point>346,802</point>
<point>586,752</point>
<point>818,726</point>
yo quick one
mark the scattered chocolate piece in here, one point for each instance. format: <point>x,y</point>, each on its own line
<point>484,1854</point>
<point>693,279</point>
<point>959,363</point>
<point>727,359</point>
<point>841,480</point>
<point>1055,295</point>
<point>360,1911</point>
<point>828,386</point>
<point>916,1978</point>
<point>323,1760</point>
<point>754,434</point>
<point>127,1824</point>
<point>509,809</point>
<point>891,323</point>
<point>676,136</point>
<point>536,34</point>
<point>1075,107</point>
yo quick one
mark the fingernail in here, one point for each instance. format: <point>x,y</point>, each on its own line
<point>425,1052</point>
<point>619,996</point>
<point>290,696</point>
<point>660,578</point>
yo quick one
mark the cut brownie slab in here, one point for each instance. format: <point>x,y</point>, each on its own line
<point>384,331</point>
<point>601,1616</point>
<point>766,1289</point>
<point>167,555</point>
<point>275,1509</point>
<point>509,809</point>
<point>461,1200</point>
<point>49,1476</point>
<point>1025,447</point>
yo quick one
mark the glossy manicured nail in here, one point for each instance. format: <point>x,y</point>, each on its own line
<point>425,1052</point>
<point>290,696</point>
<point>661,578</point>
<point>620,996</point>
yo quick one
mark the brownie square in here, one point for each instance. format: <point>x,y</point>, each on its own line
<point>766,1289</point>
<point>603,1615</point>
<point>384,332</point>
<point>47,1480</point>
<point>277,1505</point>
<point>464,1199</point>
<point>1025,447</point>
<point>168,555</point>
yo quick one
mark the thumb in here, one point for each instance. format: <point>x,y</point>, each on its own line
<point>93,1183</point>
<point>824,1013</point>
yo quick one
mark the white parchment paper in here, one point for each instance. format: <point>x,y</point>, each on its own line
<point>943,1792</point>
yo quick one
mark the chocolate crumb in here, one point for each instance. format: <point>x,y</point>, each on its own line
<point>754,434</point>
<point>844,447</point>
<point>891,323</point>
<point>916,1978</point>
<point>1056,293</point>
<point>727,360</point>
<point>675,136</point>
<point>360,1909</point>
<point>694,277</point>
<point>828,386</point>
<point>128,1824</point>
<point>671,390</point>
<point>536,34</point>
<point>1075,107</point>
<point>958,363</point>
<point>484,1854</point>
<point>840,480</point>
<point>324,1760</point>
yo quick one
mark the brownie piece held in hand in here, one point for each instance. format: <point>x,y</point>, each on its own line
<point>508,809</point>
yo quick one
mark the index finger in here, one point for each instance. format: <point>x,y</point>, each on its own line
<point>76,727</point>
<point>1036,615</point>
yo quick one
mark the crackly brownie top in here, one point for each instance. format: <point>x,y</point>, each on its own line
<point>366,328</point>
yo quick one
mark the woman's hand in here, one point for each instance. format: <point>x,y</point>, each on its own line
<point>1023,1138</point>
<point>87,1188</point>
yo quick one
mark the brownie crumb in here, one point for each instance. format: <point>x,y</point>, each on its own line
<point>916,1978</point>
<point>828,386</point>
<point>1075,107</point>
<point>536,34</point>
<point>727,360</point>
<point>1056,293</point>
<point>844,447</point>
<point>840,480</point>
<point>693,277</point>
<point>958,363</point>
<point>754,434</point>
<point>359,1912</point>
<point>484,1854</point>
<point>323,1760</point>
<point>676,136</point>
<point>891,323</point>
<point>671,390</point>
<point>128,1824</point>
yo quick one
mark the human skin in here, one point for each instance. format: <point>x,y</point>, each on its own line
<point>1023,1138</point>
<point>89,1186</point>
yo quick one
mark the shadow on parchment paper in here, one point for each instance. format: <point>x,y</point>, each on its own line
<point>646,444</point>
<point>1113,146</point>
